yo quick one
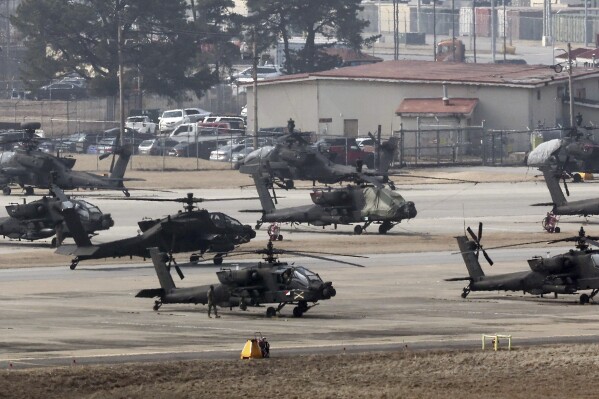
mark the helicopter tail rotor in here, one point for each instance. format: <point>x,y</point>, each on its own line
<point>476,239</point>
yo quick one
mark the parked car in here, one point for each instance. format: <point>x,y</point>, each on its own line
<point>200,148</point>
<point>160,146</point>
<point>344,150</point>
<point>172,118</point>
<point>142,124</point>
<point>235,122</point>
<point>225,152</point>
<point>60,91</point>
<point>195,114</point>
<point>263,72</point>
<point>48,146</point>
<point>238,157</point>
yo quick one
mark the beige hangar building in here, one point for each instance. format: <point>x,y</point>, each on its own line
<point>352,101</point>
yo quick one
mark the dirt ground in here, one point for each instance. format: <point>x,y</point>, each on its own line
<point>548,372</point>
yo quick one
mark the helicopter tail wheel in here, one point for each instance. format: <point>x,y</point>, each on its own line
<point>584,299</point>
<point>6,190</point>
<point>271,312</point>
<point>74,263</point>
<point>53,243</point>
<point>243,306</point>
<point>358,230</point>
<point>157,305</point>
<point>465,293</point>
<point>29,190</point>
<point>218,259</point>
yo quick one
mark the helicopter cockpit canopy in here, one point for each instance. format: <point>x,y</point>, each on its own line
<point>305,277</point>
<point>223,221</point>
<point>85,209</point>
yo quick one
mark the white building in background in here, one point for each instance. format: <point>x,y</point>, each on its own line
<point>355,100</point>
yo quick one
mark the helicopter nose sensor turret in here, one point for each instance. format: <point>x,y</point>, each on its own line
<point>408,210</point>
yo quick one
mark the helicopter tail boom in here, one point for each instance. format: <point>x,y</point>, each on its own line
<point>164,276</point>
<point>552,182</point>
<point>121,165</point>
<point>467,249</point>
<point>266,201</point>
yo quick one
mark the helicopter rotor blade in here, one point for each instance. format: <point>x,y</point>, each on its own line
<point>284,251</point>
<point>480,231</point>
<point>487,257</point>
<point>469,230</point>
<point>329,259</point>
<point>104,156</point>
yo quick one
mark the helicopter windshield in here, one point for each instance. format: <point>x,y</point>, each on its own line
<point>231,222</point>
<point>305,276</point>
<point>259,153</point>
<point>595,259</point>
<point>218,220</point>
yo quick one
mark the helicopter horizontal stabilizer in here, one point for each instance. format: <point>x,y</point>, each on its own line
<point>150,293</point>
<point>458,279</point>
<point>543,204</point>
<point>71,249</point>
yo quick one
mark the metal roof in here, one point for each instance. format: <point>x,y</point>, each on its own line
<point>449,72</point>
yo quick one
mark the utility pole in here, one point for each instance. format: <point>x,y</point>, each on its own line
<point>255,85</point>
<point>474,30</point>
<point>434,30</point>
<point>453,31</point>
<point>119,44</point>
<point>504,32</point>
<point>570,85</point>
<point>493,28</point>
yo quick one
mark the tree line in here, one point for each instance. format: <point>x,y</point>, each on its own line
<point>175,46</point>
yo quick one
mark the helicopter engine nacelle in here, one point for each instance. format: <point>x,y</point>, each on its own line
<point>25,211</point>
<point>555,265</point>
<point>238,277</point>
<point>331,198</point>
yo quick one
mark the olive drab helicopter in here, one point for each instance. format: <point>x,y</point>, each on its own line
<point>43,219</point>
<point>568,273</point>
<point>268,282</point>
<point>29,167</point>
<point>294,158</point>
<point>574,152</point>
<point>359,203</point>
<point>192,230</point>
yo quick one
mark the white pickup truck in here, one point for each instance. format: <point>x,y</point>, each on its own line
<point>141,123</point>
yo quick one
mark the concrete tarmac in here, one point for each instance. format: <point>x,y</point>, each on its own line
<point>54,316</point>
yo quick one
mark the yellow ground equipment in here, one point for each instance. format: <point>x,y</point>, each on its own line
<point>256,348</point>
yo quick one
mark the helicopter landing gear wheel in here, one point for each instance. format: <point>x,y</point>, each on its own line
<point>218,259</point>
<point>6,190</point>
<point>271,312</point>
<point>465,293</point>
<point>358,230</point>
<point>29,190</point>
<point>297,312</point>
<point>53,243</point>
<point>127,194</point>
<point>74,264</point>
<point>157,305</point>
<point>194,257</point>
<point>584,299</point>
<point>243,306</point>
<point>577,178</point>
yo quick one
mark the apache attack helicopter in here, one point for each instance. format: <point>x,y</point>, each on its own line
<point>188,231</point>
<point>29,167</point>
<point>294,158</point>
<point>43,218</point>
<point>575,152</point>
<point>568,273</point>
<point>362,203</point>
<point>267,282</point>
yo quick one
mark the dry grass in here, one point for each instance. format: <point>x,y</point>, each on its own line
<point>552,372</point>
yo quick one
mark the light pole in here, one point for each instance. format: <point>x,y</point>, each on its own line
<point>571,95</point>
<point>434,30</point>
